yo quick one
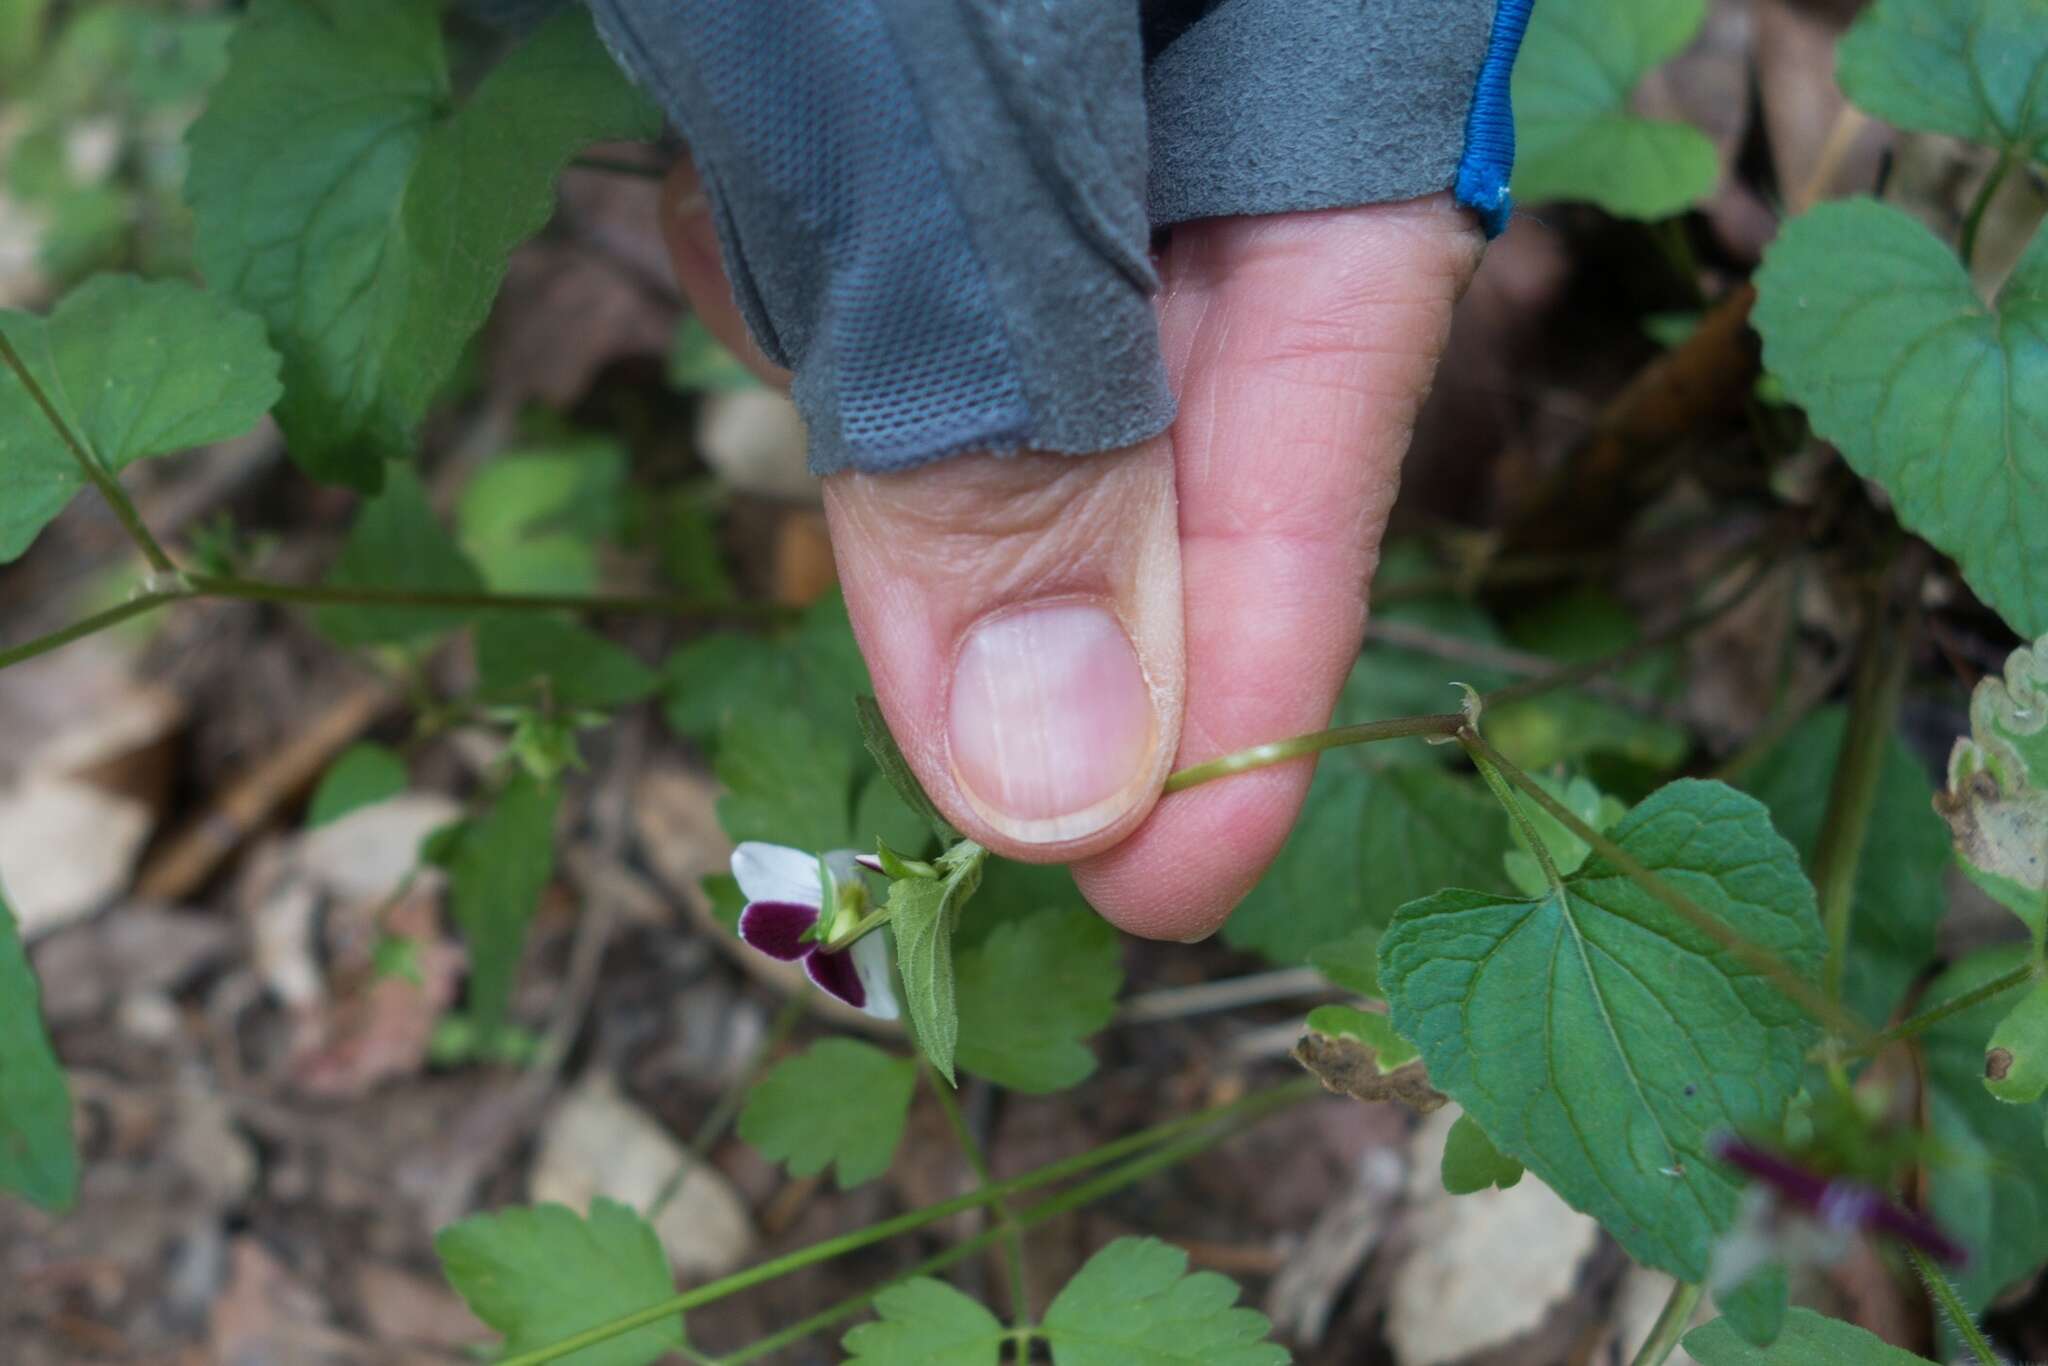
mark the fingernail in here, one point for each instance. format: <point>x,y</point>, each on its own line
<point>1051,722</point>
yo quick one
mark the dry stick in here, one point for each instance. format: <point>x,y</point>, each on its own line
<point>93,468</point>
<point>1221,1120</point>
<point>1795,987</point>
<point>1669,1327</point>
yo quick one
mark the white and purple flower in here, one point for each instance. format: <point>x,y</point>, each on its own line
<point>788,892</point>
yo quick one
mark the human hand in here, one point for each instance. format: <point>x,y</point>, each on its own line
<point>1050,636</point>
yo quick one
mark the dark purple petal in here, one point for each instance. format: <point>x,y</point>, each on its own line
<point>1840,1204</point>
<point>835,973</point>
<point>777,928</point>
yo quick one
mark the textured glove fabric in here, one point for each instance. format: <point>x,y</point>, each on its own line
<point>938,214</point>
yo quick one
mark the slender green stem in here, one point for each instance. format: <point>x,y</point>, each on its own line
<point>360,595</point>
<point>1444,725</point>
<point>1795,987</point>
<point>714,1126</point>
<point>92,625</point>
<point>95,471</point>
<point>1951,1306</point>
<point>1845,828</point>
<point>1981,205</point>
<point>1087,1193</point>
<point>867,924</point>
<point>1006,1219</point>
<point>1669,1327</point>
<point>1955,1005</point>
<point>1258,1103</point>
<point>1505,795</point>
<point>615,166</point>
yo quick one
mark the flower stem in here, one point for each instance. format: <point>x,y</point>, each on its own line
<point>1951,1306</point>
<point>95,470</point>
<point>1444,724</point>
<point>1845,828</point>
<point>1669,1327</point>
<point>1243,1110</point>
<point>92,625</point>
<point>1109,1182</point>
<point>1795,987</point>
<point>363,595</point>
<point>1955,1005</point>
<point>1505,795</point>
<point>1020,1271</point>
<point>1979,206</point>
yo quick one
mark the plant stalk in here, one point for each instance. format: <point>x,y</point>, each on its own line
<point>1109,1182</point>
<point>1768,964</point>
<point>1443,724</point>
<point>1244,1109</point>
<point>94,469</point>
<point>1006,1219</point>
<point>1955,1005</point>
<point>1973,222</point>
<point>92,625</point>
<point>1669,1327</point>
<point>319,594</point>
<point>1505,795</point>
<point>1845,828</point>
<point>1951,1306</point>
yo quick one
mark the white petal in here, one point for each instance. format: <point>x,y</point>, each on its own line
<point>871,963</point>
<point>844,863</point>
<point>775,872</point>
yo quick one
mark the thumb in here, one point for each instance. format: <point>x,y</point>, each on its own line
<point>1021,616</point>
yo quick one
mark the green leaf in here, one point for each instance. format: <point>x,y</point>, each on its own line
<point>1567,851</point>
<point>1368,1027</point>
<point>1471,1162</point>
<point>1352,962</point>
<point>923,914</point>
<point>525,656</point>
<point>1899,897</point>
<point>364,775</point>
<point>397,543</point>
<point>135,370</point>
<point>1031,992</point>
<point>888,756</point>
<point>541,1274</point>
<point>1968,68</point>
<point>2016,1058</point>
<point>1569,724</point>
<point>1808,1339</point>
<point>927,1322</point>
<point>1874,327</point>
<point>1368,840</point>
<point>1756,1307</point>
<point>342,194</point>
<point>699,363</point>
<point>1987,1183</point>
<point>1134,1302</point>
<point>784,782</point>
<point>1574,135</point>
<point>500,867</point>
<point>840,1103</point>
<point>1996,804</point>
<point>38,1160</point>
<point>531,520</point>
<point>1599,1039</point>
<point>815,669</point>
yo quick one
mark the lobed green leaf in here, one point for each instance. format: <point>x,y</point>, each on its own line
<point>1807,1339</point>
<point>365,774</point>
<point>840,1103</point>
<point>397,543</point>
<point>135,369</point>
<point>1973,69</point>
<point>541,1274</point>
<point>1031,992</point>
<point>1134,1301</point>
<point>500,866</point>
<point>928,1322</point>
